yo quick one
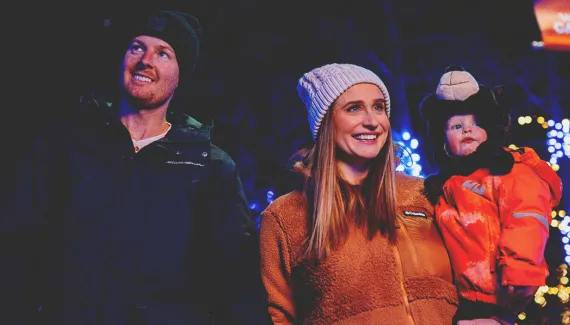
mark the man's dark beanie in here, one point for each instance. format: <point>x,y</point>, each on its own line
<point>181,30</point>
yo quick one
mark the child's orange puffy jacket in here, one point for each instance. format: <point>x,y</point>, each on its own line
<point>496,227</point>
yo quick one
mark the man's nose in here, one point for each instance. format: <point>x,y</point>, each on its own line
<point>146,60</point>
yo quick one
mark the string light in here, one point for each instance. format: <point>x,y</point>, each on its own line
<point>409,159</point>
<point>256,208</point>
<point>558,141</point>
<point>561,290</point>
<point>558,134</point>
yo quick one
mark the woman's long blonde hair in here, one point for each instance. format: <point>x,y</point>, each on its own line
<point>333,204</point>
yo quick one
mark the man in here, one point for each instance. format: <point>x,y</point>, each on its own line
<point>129,214</point>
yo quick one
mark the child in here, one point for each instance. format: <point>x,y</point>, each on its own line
<point>493,204</point>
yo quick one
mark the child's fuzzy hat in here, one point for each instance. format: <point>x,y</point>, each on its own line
<point>459,93</point>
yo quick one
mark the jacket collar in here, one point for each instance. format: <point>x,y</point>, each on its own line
<point>489,155</point>
<point>187,129</point>
<point>184,128</point>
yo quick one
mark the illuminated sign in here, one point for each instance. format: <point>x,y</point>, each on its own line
<point>553,17</point>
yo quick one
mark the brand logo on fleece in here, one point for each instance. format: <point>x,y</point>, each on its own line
<point>414,213</point>
<point>474,187</point>
<point>172,162</point>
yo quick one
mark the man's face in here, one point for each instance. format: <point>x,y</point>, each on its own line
<point>150,72</point>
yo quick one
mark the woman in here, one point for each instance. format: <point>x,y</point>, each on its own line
<point>357,244</point>
<point>488,198</point>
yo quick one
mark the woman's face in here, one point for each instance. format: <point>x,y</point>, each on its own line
<point>463,135</point>
<point>360,123</point>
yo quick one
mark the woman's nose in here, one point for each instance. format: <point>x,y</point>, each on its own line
<point>369,121</point>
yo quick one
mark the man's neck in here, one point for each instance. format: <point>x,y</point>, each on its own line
<point>143,123</point>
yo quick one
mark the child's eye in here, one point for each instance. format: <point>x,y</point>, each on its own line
<point>456,127</point>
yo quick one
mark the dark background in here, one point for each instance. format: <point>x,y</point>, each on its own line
<point>253,53</point>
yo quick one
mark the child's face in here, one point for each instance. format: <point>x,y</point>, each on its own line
<point>463,135</point>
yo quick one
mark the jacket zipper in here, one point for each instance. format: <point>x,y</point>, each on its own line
<point>400,271</point>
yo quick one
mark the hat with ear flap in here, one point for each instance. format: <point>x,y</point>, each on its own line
<point>504,98</point>
<point>459,93</point>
